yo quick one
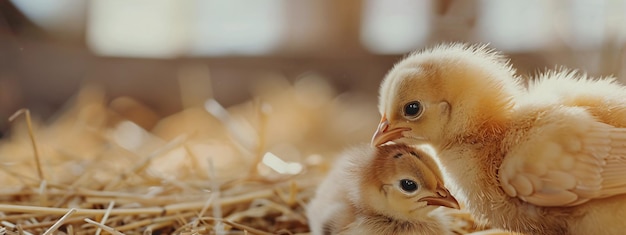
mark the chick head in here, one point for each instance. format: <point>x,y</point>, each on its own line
<point>401,183</point>
<point>436,94</point>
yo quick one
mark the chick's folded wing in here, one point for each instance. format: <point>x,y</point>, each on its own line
<point>566,162</point>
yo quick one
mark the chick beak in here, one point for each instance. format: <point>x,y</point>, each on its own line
<point>383,134</point>
<point>443,198</point>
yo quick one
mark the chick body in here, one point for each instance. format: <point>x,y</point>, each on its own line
<point>363,194</point>
<point>547,159</point>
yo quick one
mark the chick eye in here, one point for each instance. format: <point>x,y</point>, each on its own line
<point>408,186</point>
<point>413,109</point>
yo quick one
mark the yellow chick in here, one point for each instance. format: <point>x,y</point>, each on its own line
<point>391,189</point>
<point>547,159</point>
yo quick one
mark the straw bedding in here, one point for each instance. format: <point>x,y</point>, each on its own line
<point>111,165</point>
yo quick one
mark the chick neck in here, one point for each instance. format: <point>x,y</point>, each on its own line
<point>471,163</point>
<point>470,150</point>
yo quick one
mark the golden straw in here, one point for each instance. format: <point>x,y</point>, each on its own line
<point>31,133</point>
<point>60,222</point>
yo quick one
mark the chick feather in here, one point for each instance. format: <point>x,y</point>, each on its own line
<point>363,194</point>
<point>549,158</point>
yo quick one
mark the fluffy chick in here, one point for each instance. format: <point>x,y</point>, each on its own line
<point>391,189</point>
<point>547,159</point>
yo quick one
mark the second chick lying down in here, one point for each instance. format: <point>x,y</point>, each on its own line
<point>391,189</point>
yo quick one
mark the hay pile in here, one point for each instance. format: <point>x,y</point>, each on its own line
<point>112,165</point>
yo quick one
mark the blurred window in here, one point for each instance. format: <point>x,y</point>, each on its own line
<point>514,25</point>
<point>236,27</point>
<point>170,28</point>
<point>587,24</point>
<point>395,26</point>
<point>137,28</point>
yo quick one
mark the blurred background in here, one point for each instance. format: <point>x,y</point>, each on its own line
<point>154,50</point>
<point>168,98</point>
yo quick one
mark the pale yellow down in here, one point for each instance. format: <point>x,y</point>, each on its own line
<point>547,158</point>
